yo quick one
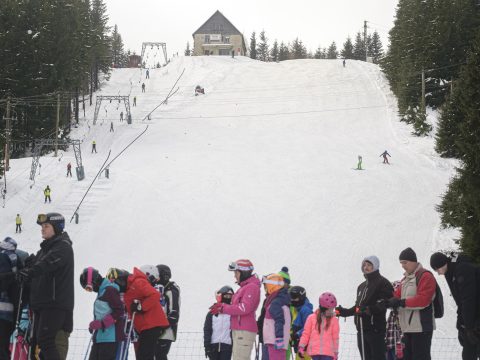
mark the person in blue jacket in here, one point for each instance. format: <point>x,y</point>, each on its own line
<point>303,307</point>
<point>109,312</point>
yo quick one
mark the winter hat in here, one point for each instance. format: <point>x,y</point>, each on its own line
<point>285,275</point>
<point>438,260</point>
<point>8,244</point>
<point>408,254</point>
<point>372,260</point>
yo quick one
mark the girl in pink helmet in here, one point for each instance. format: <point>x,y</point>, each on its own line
<point>321,332</point>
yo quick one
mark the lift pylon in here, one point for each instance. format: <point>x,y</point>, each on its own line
<point>157,44</point>
<point>100,98</point>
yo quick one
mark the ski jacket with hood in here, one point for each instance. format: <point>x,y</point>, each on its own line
<point>152,315</point>
<point>369,292</point>
<point>276,324</point>
<point>417,315</point>
<point>216,332</point>
<point>463,278</point>
<point>303,312</point>
<point>108,302</point>
<point>324,342</point>
<point>244,305</point>
<point>52,284</point>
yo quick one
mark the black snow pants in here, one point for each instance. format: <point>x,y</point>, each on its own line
<point>224,354</point>
<point>147,341</point>
<point>104,351</point>
<point>162,348</point>
<point>470,351</point>
<point>51,329</point>
<point>374,344</point>
<point>417,346</point>
<point>6,329</point>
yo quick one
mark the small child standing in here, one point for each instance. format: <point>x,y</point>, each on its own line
<point>320,336</point>
<point>217,338</point>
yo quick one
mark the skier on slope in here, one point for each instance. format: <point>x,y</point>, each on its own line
<point>369,314</point>
<point>46,192</point>
<point>385,159</point>
<point>69,169</point>
<point>242,310</point>
<point>18,224</point>
<point>359,165</point>
<point>171,306</point>
<point>217,337</point>
<point>143,87</point>
<point>303,309</point>
<point>108,311</point>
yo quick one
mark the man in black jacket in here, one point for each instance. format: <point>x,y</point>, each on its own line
<point>463,280</point>
<point>51,275</point>
<point>369,313</point>
<point>171,306</point>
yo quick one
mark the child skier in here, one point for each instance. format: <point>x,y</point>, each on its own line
<point>217,338</point>
<point>321,333</point>
<point>385,159</point>
<point>276,326</point>
<point>108,310</point>
<point>303,309</point>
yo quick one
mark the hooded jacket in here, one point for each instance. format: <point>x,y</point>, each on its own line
<point>244,305</point>
<point>52,284</point>
<point>277,318</point>
<point>152,315</point>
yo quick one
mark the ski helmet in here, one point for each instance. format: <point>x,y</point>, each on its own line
<point>298,295</point>
<point>8,244</point>
<point>327,300</point>
<point>164,274</point>
<point>119,277</point>
<point>272,283</point>
<point>55,219</point>
<point>151,272</point>
<point>245,267</point>
<point>90,279</point>
<point>224,294</point>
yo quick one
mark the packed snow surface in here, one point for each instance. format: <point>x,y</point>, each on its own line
<point>261,167</point>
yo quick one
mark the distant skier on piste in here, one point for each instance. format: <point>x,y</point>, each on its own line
<point>385,159</point>
<point>359,164</point>
<point>46,192</point>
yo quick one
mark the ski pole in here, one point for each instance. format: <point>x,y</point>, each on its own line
<point>17,321</point>
<point>257,345</point>
<point>361,337</point>
<point>88,347</point>
<point>128,337</point>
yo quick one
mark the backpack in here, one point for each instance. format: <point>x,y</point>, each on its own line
<point>437,302</point>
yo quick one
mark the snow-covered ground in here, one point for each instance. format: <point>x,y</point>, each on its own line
<point>261,167</point>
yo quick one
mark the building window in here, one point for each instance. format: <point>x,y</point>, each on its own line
<point>227,39</point>
<point>207,39</point>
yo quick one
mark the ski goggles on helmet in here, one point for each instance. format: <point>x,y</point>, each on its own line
<point>240,265</point>
<point>41,219</point>
<point>266,280</point>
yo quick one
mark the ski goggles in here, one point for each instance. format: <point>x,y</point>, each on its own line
<point>265,280</point>
<point>42,219</point>
<point>234,266</point>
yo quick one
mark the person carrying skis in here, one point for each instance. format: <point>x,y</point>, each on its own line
<point>463,279</point>
<point>369,313</point>
<point>320,338</point>
<point>94,146</point>
<point>108,311</point>
<point>18,223</point>
<point>69,169</point>
<point>242,309</point>
<point>217,337</point>
<point>303,309</point>
<point>170,300</point>
<point>143,305</point>
<point>8,268</point>
<point>276,325</point>
<point>51,276</point>
<point>46,192</point>
<point>385,159</point>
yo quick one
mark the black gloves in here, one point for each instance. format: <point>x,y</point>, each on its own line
<point>395,303</point>
<point>29,261</point>
<point>25,275</point>
<point>341,311</point>
<point>208,352</point>
<point>136,306</point>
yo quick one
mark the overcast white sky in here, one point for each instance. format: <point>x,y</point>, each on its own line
<point>315,22</point>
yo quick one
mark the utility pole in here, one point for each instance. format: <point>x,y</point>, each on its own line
<point>365,39</point>
<point>56,124</point>
<point>8,131</point>
<point>423,92</point>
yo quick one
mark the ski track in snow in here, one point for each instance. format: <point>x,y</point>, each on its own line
<point>206,185</point>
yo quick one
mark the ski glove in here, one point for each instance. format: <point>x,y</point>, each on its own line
<point>341,311</point>
<point>360,310</point>
<point>216,309</point>
<point>95,325</point>
<point>108,321</point>
<point>136,306</point>
<point>395,303</point>
<point>25,275</point>
<point>279,344</point>
<point>301,351</point>
<point>208,352</point>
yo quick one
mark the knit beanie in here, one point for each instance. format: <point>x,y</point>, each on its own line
<point>372,260</point>
<point>408,254</point>
<point>437,260</point>
<point>285,275</point>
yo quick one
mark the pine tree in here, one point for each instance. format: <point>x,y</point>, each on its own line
<point>187,49</point>
<point>359,48</point>
<point>283,52</point>
<point>460,205</point>
<point>100,43</point>
<point>274,53</point>
<point>118,53</point>
<point>375,49</point>
<point>347,51</point>
<point>451,118</point>
<point>319,53</point>
<point>253,46</point>
<point>262,48</point>
<point>332,52</point>
<point>298,50</point>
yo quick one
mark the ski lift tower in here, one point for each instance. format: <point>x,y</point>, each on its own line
<point>119,98</point>
<point>157,44</point>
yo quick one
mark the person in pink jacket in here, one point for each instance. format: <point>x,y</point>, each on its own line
<point>321,332</point>
<point>242,309</point>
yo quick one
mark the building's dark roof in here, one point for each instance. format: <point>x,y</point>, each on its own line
<point>217,24</point>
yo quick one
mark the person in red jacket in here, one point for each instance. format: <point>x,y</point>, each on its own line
<point>143,301</point>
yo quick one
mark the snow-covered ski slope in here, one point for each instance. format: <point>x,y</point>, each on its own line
<point>261,167</point>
